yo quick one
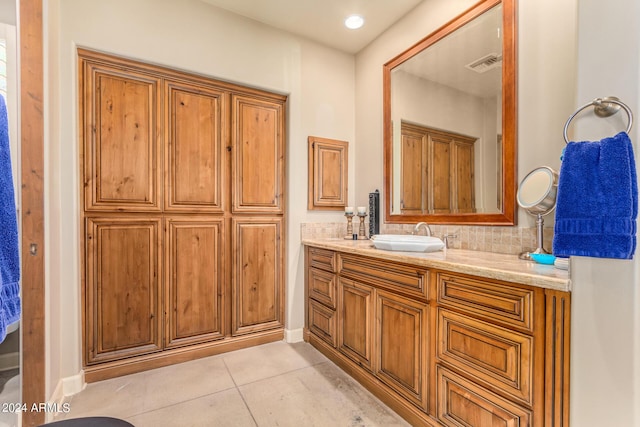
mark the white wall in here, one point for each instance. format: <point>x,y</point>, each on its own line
<point>605,341</point>
<point>193,36</point>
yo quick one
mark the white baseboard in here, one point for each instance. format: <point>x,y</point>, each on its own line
<point>73,384</point>
<point>68,386</point>
<point>293,335</point>
<point>9,361</point>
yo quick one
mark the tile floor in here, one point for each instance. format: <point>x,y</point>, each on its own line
<point>276,384</point>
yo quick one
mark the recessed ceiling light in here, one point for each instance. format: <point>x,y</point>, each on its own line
<point>354,22</point>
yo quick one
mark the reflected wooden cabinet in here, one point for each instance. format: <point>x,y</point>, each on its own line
<point>437,171</point>
<point>183,205</point>
<point>440,347</point>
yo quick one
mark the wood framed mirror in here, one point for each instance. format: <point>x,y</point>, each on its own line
<point>449,114</point>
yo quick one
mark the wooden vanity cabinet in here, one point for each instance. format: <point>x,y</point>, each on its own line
<point>442,348</point>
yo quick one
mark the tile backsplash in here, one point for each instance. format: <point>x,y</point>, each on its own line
<point>505,240</point>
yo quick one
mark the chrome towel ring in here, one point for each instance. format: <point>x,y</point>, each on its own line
<point>603,107</point>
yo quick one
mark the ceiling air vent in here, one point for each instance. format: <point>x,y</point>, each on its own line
<point>485,63</point>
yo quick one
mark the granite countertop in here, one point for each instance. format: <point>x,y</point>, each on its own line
<point>483,264</point>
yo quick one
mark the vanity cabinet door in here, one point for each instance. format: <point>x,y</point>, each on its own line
<point>355,320</point>
<point>401,346</point>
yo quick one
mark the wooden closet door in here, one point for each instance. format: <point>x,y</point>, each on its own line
<point>439,185</point>
<point>414,166</point>
<point>195,280</point>
<point>258,155</point>
<point>122,287</point>
<point>258,275</point>
<point>121,131</point>
<point>463,170</point>
<point>195,134</point>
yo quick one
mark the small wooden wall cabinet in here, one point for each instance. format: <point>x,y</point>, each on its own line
<point>442,348</point>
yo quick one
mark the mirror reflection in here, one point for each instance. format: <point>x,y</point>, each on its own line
<point>449,147</point>
<point>446,115</point>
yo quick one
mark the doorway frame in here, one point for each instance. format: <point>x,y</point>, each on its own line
<point>30,30</point>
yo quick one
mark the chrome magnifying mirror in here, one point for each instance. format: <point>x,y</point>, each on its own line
<point>537,195</point>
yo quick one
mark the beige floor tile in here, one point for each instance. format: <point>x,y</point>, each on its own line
<point>225,408</point>
<point>321,395</point>
<point>146,391</point>
<point>273,384</point>
<point>265,361</point>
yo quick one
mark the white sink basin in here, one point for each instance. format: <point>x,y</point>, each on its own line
<point>407,243</point>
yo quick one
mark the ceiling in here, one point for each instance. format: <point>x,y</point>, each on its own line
<point>322,20</point>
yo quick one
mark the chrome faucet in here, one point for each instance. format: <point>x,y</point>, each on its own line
<point>419,225</point>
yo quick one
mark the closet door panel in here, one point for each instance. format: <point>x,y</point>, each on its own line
<point>194,298</point>
<point>121,143</point>
<point>439,175</point>
<point>413,149</point>
<point>258,276</point>
<point>122,283</point>
<point>194,136</point>
<point>258,155</point>
<point>464,197</point>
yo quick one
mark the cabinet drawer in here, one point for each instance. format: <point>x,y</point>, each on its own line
<point>322,322</point>
<point>322,287</point>
<point>506,304</point>
<point>322,259</point>
<point>496,357</point>
<point>462,403</point>
<point>407,279</point>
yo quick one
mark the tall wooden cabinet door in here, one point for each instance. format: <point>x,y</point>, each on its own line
<point>355,321</point>
<point>258,275</point>
<point>121,131</point>
<point>258,155</point>
<point>194,291</point>
<point>413,159</point>
<point>463,169</point>
<point>195,137</point>
<point>439,175</point>
<point>401,344</point>
<point>122,302</point>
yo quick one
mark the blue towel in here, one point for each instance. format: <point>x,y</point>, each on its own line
<point>9,252</point>
<point>597,202</point>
